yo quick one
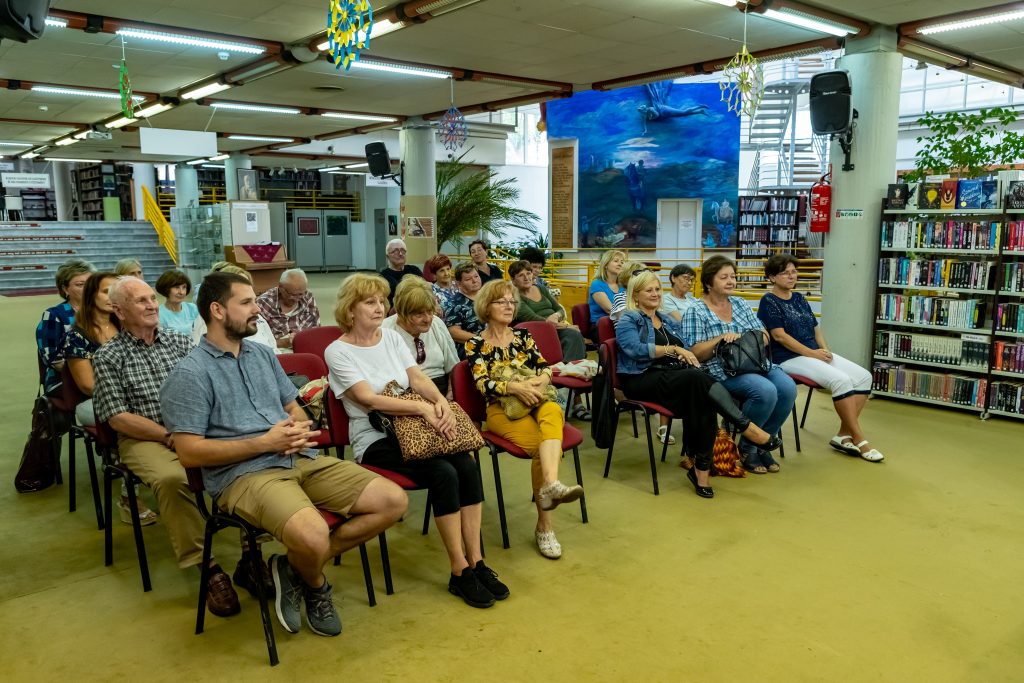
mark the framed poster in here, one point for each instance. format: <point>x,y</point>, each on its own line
<point>392,225</point>
<point>248,185</point>
<point>308,227</point>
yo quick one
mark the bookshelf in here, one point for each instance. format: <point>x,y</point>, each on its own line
<point>768,224</point>
<point>104,192</point>
<point>39,205</point>
<point>949,321</point>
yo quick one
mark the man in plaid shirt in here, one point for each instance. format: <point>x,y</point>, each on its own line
<point>129,371</point>
<point>289,307</point>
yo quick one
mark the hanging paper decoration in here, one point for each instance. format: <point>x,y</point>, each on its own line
<point>453,125</point>
<point>742,81</point>
<point>124,86</point>
<point>349,23</point>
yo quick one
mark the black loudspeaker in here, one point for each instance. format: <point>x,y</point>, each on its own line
<point>23,20</point>
<point>378,158</point>
<point>831,106</point>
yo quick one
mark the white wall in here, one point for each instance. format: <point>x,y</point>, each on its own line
<point>532,182</point>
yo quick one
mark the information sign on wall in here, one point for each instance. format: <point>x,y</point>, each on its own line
<point>563,169</point>
<point>40,180</point>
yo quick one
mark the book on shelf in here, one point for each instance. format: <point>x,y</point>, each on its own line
<point>896,197</point>
<point>940,272</point>
<point>1008,357</point>
<point>913,195</point>
<point>968,194</point>
<point>948,234</point>
<point>929,196</point>
<point>1015,195</point>
<point>989,194</point>
<point>966,350</point>
<point>1009,318</point>
<point>1013,277</point>
<point>1007,397</point>
<point>753,203</point>
<point>1014,240</point>
<point>896,378</point>
<point>931,310</point>
<point>947,198</point>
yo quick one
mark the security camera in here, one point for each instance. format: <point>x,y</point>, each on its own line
<point>223,56</point>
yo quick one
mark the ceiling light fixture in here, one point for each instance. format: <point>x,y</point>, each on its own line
<point>81,135</point>
<point>996,18</point>
<point>196,162</point>
<point>371,65</point>
<point>345,173</point>
<point>380,28</point>
<point>74,161</point>
<point>808,22</point>
<point>4,143</point>
<point>204,90</point>
<point>256,108</point>
<point>192,41</point>
<point>329,169</point>
<point>153,109</point>
<point>54,22</point>
<point>220,157</point>
<point>213,166</point>
<point>358,117</point>
<point>28,155</point>
<point>119,122</point>
<point>64,142</point>
<point>260,138</point>
<point>725,3</point>
<point>104,94</point>
<point>360,165</point>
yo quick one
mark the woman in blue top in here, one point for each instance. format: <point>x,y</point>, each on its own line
<point>57,320</point>
<point>653,365</point>
<point>604,288</point>
<point>799,347</point>
<point>719,316</point>
<point>176,313</point>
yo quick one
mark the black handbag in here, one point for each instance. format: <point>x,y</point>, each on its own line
<point>746,355</point>
<point>36,470</point>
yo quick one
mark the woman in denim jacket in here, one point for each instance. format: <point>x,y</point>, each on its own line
<point>654,366</point>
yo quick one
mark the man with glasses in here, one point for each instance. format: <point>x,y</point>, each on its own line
<point>397,268</point>
<point>289,307</point>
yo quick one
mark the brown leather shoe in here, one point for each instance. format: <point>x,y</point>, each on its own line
<point>221,597</point>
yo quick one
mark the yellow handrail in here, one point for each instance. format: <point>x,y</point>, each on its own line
<point>163,229</point>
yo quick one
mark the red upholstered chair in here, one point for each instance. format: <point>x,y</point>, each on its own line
<point>609,360</point>
<point>466,395</point>
<point>581,319</point>
<point>605,330</point>
<point>315,340</point>
<point>69,398</point>
<point>545,336</point>
<point>313,367</point>
<point>217,519</point>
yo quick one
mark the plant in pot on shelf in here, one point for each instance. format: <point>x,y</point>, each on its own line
<point>471,199</point>
<point>966,144</point>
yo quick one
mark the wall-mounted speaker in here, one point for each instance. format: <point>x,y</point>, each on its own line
<point>23,20</point>
<point>378,158</point>
<point>831,105</point>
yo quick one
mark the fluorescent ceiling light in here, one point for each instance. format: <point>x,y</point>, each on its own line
<point>54,22</point>
<point>329,169</point>
<point>74,161</point>
<point>806,21</point>
<point>724,3</point>
<point>996,18</point>
<point>119,122</point>
<point>380,28</point>
<point>153,109</point>
<point>213,166</point>
<point>345,173</point>
<point>220,157</point>
<point>64,142</point>
<point>204,90</point>
<point>371,65</point>
<point>255,107</point>
<point>192,41</point>
<point>81,135</point>
<point>358,117</point>
<point>196,162</point>
<point>4,143</point>
<point>105,94</point>
<point>260,138</point>
<point>362,165</point>
<point>28,155</point>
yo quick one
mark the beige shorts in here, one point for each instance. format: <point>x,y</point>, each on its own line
<point>269,498</point>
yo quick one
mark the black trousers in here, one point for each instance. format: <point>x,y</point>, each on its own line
<point>453,480</point>
<point>684,391</point>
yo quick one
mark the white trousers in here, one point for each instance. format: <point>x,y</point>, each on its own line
<point>841,377</point>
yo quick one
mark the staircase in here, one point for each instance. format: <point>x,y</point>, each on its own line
<point>30,253</point>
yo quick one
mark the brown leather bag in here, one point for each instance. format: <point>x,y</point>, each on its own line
<point>418,440</point>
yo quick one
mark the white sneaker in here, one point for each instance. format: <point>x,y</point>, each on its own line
<point>548,545</point>
<point>663,434</point>
<point>554,494</point>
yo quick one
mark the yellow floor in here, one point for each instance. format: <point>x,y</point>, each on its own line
<point>834,570</point>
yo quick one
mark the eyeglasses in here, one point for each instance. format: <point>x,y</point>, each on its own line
<point>686,278</point>
<point>397,251</point>
<point>504,302</point>
<point>421,351</point>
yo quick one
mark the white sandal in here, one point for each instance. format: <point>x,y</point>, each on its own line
<point>871,455</point>
<point>844,444</point>
<point>662,432</point>
<point>548,545</point>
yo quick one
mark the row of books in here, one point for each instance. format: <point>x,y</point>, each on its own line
<point>1009,357</point>
<point>768,234</point>
<point>940,234</point>
<point>766,218</point>
<point>1009,318</point>
<point>949,193</point>
<point>940,272</point>
<point>1014,240</point>
<point>1012,279</point>
<point>967,350</point>
<point>1007,396</point>
<point>770,204</point>
<point>756,249</point>
<point>937,386</point>
<point>931,310</point>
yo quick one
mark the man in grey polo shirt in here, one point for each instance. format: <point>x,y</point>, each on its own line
<point>233,412</point>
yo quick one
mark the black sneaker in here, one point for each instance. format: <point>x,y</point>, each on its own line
<point>468,587</point>
<point>245,577</point>
<point>489,580</point>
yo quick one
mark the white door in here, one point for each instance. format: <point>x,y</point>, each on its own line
<point>679,231</point>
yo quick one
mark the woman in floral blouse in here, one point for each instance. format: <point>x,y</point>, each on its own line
<point>496,354</point>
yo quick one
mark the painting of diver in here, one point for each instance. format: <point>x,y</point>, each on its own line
<point>638,145</point>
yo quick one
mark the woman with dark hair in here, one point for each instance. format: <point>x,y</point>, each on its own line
<point>443,286</point>
<point>537,259</point>
<point>799,347</point>
<point>176,313</point>
<point>680,298</point>
<point>721,317</point>
<point>478,254</point>
<point>57,320</point>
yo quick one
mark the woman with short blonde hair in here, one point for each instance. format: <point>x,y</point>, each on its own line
<point>422,331</point>
<point>353,289</point>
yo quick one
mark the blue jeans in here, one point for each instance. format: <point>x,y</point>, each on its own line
<point>766,399</point>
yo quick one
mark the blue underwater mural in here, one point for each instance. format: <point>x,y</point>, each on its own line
<point>638,145</point>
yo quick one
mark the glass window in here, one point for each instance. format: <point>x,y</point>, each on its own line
<point>911,102</point>
<point>944,99</point>
<point>912,76</point>
<point>982,93</point>
<point>937,77</point>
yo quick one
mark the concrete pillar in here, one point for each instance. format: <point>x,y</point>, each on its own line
<point>186,186</point>
<point>416,150</point>
<point>143,175</point>
<point>852,246</point>
<point>231,165</point>
<point>62,189</point>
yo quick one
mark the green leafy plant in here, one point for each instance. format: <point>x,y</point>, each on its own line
<point>469,200</point>
<point>966,144</point>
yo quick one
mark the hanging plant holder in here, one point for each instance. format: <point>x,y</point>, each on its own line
<point>349,23</point>
<point>454,131</point>
<point>742,83</point>
<point>124,86</point>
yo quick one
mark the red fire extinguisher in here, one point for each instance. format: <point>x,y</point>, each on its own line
<point>821,204</point>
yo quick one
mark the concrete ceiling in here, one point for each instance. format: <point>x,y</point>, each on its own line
<point>571,42</point>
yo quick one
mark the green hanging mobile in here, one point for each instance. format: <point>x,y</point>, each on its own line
<point>124,83</point>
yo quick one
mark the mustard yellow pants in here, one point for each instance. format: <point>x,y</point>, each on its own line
<point>544,422</point>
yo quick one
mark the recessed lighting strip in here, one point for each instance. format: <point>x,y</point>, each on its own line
<point>997,18</point>
<point>74,161</point>
<point>256,107</point>
<point>191,41</point>
<point>372,65</point>
<point>76,92</point>
<point>358,117</point>
<point>5,143</point>
<point>260,138</point>
<point>808,22</point>
<point>204,90</point>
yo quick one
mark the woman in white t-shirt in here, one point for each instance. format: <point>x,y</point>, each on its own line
<point>361,363</point>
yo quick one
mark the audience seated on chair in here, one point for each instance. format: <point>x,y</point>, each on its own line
<point>604,287</point>
<point>629,269</point>
<point>176,313</point>
<point>654,365</point>
<point>396,253</point>
<point>362,362</point>
<point>129,266</point>
<point>443,286</point>
<point>129,370</point>
<point>289,307</point>
<point>505,363</point>
<point>422,331</point>
<point>536,258</point>
<point>478,254</point>
<point>57,320</point>
<point>460,318</point>
<point>264,335</point>
<point>231,410</point>
<point>680,298</point>
<point>798,346</point>
<point>721,317</point>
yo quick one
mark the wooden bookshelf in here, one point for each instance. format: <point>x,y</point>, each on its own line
<point>768,223</point>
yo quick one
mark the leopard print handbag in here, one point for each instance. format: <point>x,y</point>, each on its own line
<point>418,440</point>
